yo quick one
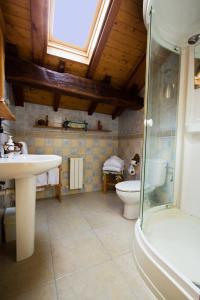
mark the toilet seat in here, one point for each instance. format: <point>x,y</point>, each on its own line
<point>128,186</point>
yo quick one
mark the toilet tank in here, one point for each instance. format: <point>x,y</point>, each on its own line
<point>157,170</point>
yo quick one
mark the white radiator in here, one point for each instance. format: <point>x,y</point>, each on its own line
<point>76,173</point>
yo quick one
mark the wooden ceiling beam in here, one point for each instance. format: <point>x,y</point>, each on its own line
<point>2,22</point>
<point>137,76</point>
<point>103,37</point>
<point>117,112</point>
<point>92,108</point>
<point>11,50</point>
<point>56,99</point>
<point>18,94</point>
<point>29,74</point>
<point>93,105</point>
<point>39,21</point>
<point>107,79</point>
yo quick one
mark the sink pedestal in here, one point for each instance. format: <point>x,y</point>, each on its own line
<point>24,169</point>
<point>25,216</point>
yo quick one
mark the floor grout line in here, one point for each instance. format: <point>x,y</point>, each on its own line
<point>57,294</point>
<point>112,261</point>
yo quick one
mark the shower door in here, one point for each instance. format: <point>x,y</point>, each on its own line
<point>160,122</point>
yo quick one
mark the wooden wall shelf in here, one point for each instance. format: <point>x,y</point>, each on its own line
<point>71,129</point>
<point>5,112</point>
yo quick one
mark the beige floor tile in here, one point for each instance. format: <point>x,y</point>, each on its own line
<point>100,282</point>
<point>62,211</point>
<point>42,237</point>
<point>44,203</point>
<point>100,202</point>
<point>116,238</point>
<point>29,274</point>
<point>47,292</point>
<point>42,241</point>
<point>41,222</point>
<point>71,259</point>
<point>127,267</point>
<point>72,225</point>
<point>101,218</point>
<point>60,245</point>
<point>81,242</point>
<point>7,258</point>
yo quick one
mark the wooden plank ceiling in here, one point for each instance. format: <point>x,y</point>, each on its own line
<point>118,60</point>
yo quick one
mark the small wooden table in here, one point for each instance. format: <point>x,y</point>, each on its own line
<point>110,179</point>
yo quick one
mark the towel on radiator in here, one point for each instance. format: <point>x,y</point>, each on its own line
<point>53,176</point>
<point>41,179</point>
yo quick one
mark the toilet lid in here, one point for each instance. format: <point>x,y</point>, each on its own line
<point>128,186</point>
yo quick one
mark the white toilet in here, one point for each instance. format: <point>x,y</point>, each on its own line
<point>129,191</point>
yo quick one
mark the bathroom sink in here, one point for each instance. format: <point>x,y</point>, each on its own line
<point>27,165</point>
<point>24,168</point>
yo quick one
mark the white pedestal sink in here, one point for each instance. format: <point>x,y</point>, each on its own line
<point>24,168</point>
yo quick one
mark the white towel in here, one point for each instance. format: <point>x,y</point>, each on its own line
<point>112,169</point>
<point>41,179</point>
<point>114,162</point>
<point>24,149</point>
<point>53,176</point>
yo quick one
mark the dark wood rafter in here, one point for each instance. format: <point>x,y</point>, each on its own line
<point>39,21</point>
<point>29,74</point>
<point>57,96</point>
<point>106,28</point>
<point>2,22</point>
<point>136,79</point>
<point>11,50</point>
<point>117,112</point>
<point>17,89</point>
<point>56,101</point>
<point>92,108</point>
<point>18,94</point>
<point>107,79</point>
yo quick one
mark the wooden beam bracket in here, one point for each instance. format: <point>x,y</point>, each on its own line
<point>28,74</point>
<point>117,112</point>
<point>56,100</point>
<point>18,94</point>
<point>92,108</point>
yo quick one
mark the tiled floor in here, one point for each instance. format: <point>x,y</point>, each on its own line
<point>83,252</point>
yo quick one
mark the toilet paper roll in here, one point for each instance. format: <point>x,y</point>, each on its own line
<point>134,163</point>
<point>131,170</point>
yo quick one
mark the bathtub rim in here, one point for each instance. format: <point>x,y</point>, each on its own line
<point>163,274</point>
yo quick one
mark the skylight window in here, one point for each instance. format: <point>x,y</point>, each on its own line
<point>77,17</point>
<point>74,27</point>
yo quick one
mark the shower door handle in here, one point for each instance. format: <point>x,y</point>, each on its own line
<point>148,122</point>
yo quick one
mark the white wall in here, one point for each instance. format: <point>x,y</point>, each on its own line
<point>190,196</point>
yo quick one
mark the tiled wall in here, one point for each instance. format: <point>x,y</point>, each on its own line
<point>131,138</point>
<point>6,196</point>
<point>8,126</point>
<point>94,147</point>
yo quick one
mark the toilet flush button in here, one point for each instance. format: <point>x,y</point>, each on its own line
<point>148,122</point>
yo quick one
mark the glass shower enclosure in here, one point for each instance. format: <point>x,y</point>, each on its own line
<point>157,191</point>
